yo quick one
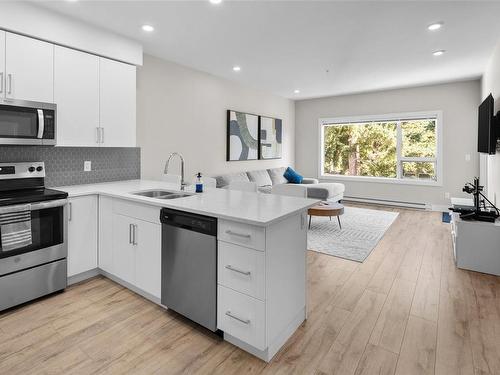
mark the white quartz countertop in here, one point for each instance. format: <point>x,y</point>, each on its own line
<point>251,208</point>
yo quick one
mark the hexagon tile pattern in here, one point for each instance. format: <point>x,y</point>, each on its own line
<point>64,165</point>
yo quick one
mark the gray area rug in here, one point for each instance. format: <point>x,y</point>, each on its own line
<point>361,230</point>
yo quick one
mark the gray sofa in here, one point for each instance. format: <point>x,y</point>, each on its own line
<point>266,178</point>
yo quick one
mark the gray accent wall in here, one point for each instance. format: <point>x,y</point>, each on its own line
<point>64,165</point>
<point>458,101</point>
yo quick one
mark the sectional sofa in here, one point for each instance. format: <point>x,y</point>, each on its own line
<point>266,178</point>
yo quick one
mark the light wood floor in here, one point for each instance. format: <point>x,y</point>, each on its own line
<point>405,310</point>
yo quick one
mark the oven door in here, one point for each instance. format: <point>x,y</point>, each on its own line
<point>49,238</point>
<point>26,123</point>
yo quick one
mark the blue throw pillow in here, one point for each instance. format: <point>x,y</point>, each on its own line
<point>292,176</point>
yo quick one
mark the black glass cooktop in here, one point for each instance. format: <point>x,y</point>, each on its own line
<point>12,197</point>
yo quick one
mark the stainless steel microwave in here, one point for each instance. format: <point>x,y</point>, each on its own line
<point>27,123</point>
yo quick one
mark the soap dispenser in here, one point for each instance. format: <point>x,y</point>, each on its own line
<point>199,183</point>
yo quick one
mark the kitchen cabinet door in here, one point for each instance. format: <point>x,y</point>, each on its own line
<point>117,98</point>
<point>106,234</point>
<point>82,234</point>
<point>123,249</point>
<point>76,93</point>
<point>2,64</point>
<point>148,257</point>
<point>29,65</point>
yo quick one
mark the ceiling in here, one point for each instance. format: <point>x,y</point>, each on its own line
<point>321,48</point>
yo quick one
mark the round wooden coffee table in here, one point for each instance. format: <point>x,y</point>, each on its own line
<point>326,209</point>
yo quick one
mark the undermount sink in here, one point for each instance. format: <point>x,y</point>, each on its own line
<point>161,194</point>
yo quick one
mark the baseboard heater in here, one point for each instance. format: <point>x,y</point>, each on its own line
<point>387,202</point>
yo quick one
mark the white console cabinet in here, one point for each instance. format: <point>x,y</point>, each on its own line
<point>476,245</point>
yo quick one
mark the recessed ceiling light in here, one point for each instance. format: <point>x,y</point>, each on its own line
<point>236,68</point>
<point>216,1</point>
<point>438,52</point>
<point>296,91</point>
<point>435,26</point>
<point>148,28</point>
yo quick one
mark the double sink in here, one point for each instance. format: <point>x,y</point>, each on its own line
<point>162,194</point>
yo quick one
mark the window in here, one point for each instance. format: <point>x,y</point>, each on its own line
<point>393,148</point>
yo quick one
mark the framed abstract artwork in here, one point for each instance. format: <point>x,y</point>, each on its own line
<point>271,138</point>
<point>242,136</point>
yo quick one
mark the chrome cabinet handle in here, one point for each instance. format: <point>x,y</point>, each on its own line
<point>130,229</point>
<point>231,268</point>
<point>9,81</point>
<point>134,234</point>
<point>97,134</point>
<point>1,82</point>
<point>231,315</point>
<point>231,233</point>
<point>70,213</point>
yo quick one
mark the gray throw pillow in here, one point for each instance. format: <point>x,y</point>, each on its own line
<point>260,177</point>
<point>276,175</point>
<point>226,179</point>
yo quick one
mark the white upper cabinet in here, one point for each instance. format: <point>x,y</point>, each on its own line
<point>29,69</point>
<point>95,96</point>
<point>76,88</point>
<point>117,95</point>
<point>2,64</point>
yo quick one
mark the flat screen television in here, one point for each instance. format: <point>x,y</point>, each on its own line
<point>486,137</point>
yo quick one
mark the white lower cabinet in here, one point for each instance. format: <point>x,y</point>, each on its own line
<point>123,249</point>
<point>242,316</point>
<point>242,269</point>
<point>130,245</point>
<point>148,257</point>
<point>82,234</point>
<point>261,283</point>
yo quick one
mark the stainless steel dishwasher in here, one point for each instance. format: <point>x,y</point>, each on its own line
<point>189,266</point>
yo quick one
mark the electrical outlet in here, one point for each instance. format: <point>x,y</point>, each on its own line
<point>87,166</point>
<point>467,157</point>
<point>447,195</point>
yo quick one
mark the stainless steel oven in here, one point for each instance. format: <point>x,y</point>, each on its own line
<point>27,123</point>
<point>39,267</point>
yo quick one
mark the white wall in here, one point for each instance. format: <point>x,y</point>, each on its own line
<point>184,110</point>
<point>490,164</point>
<point>31,20</point>
<point>458,101</point>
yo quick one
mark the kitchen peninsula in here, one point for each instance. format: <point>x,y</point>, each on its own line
<point>261,252</point>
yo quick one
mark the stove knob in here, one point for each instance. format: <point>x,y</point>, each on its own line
<point>31,169</point>
<point>39,168</point>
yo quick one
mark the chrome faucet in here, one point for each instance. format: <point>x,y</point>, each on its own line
<point>182,167</point>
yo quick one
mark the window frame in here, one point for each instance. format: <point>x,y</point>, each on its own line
<point>391,117</point>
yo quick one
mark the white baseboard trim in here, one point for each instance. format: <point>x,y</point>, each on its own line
<point>97,271</point>
<point>132,287</point>
<point>387,202</point>
<point>440,208</point>
<point>83,276</point>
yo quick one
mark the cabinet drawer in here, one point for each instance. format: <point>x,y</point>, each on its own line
<point>242,269</point>
<point>241,316</point>
<point>137,210</point>
<point>242,234</point>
